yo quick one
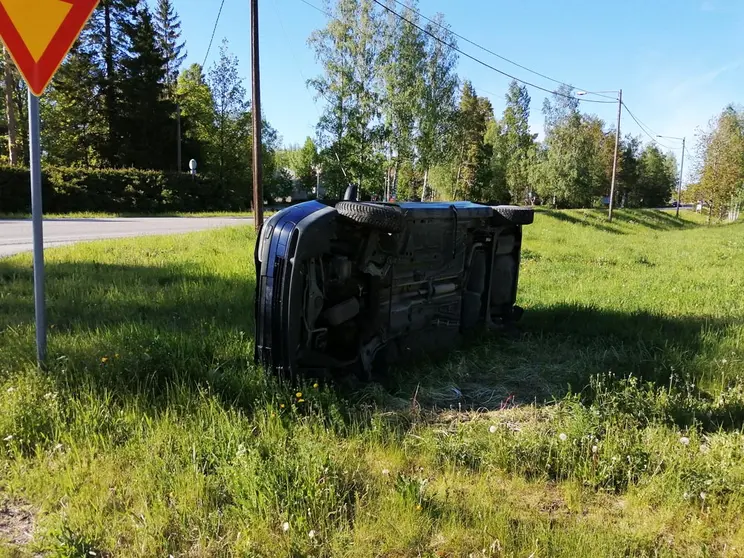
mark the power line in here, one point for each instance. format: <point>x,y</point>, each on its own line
<point>653,139</point>
<point>453,47</point>
<point>496,54</point>
<point>479,61</point>
<point>214,30</point>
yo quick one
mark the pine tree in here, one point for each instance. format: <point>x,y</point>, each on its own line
<point>72,111</point>
<point>109,39</point>
<point>168,28</point>
<point>146,139</point>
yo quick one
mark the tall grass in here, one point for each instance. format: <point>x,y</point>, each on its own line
<point>609,425</point>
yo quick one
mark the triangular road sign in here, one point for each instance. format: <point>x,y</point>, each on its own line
<point>39,34</point>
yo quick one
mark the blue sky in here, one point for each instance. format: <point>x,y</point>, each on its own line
<point>679,62</point>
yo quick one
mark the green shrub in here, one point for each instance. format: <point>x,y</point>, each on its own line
<point>67,190</point>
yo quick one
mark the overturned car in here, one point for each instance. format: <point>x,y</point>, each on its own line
<point>354,286</point>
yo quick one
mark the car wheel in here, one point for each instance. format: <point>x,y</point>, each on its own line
<point>382,217</point>
<point>515,214</point>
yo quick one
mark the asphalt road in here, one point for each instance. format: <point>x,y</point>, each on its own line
<point>16,236</point>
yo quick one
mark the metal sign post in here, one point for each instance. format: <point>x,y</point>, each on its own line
<point>38,35</point>
<point>38,228</point>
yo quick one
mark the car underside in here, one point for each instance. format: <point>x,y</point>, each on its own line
<point>353,288</point>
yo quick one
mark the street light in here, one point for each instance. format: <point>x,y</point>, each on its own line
<point>617,141</point>
<point>681,167</point>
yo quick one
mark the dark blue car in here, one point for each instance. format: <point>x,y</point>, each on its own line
<point>351,287</point>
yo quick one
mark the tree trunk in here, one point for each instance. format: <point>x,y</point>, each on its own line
<point>11,113</point>
<point>426,183</point>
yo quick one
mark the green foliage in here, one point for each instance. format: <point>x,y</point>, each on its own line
<point>67,190</point>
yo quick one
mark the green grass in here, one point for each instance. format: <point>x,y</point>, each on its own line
<point>610,425</point>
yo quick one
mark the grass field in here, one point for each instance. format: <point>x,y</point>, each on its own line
<point>611,425</point>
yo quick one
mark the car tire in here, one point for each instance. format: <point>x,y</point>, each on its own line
<point>515,214</point>
<point>377,216</point>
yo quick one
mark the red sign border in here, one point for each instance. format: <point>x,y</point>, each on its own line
<point>39,74</point>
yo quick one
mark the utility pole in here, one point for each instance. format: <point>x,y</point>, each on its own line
<point>178,127</point>
<point>681,168</point>
<point>617,144</point>
<point>256,110</point>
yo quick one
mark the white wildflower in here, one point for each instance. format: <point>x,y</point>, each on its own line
<point>285,526</point>
<point>11,389</point>
<point>724,361</point>
<point>684,440</point>
<point>386,472</point>
<point>311,534</point>
<point>703,495</point>
<point>492,429</point>
<point>685,495</point>
<point>562,437</point>
<point>58,447</point>
<point>595,449</point>
<point>704,448</point>
<point>8,438</point>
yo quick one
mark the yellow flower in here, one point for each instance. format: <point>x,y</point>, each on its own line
<point>104,360</point>
<point>281,406</point>
<point>300,401</point>
<point>315,385</point>
<point>418,507</point>
<point>298,394</point>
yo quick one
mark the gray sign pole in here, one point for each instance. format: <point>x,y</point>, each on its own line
<point>34,134</point>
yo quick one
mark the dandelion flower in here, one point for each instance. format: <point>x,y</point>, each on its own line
<point>298,394</point>
<point>300,401</point>
<point>315,385</point>
<point>492,429</point>
<point>418,507</point>
<point>285,526</point>
<point>104,360</point>
<point>281,406</point>
<point>562,437</point>
<point>704,448</point>
<point>684,440</point>
<point>311,534</point>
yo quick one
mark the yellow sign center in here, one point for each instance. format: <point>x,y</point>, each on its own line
<point>37,21</point>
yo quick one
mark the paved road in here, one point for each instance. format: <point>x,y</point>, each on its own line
<point>16,236</point>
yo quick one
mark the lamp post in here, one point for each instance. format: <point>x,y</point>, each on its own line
<point>617,142</point>
<point>681,168</point>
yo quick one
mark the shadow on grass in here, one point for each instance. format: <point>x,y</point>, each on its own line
<point>559,350</point>
<point>652,219</point>
<point>135,329</point>
<point>128,330</point>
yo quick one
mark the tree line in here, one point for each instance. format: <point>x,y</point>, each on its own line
<point>399,121</point>
<point>121,99</point>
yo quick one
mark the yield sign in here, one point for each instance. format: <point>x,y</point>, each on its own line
<point>39,34</point>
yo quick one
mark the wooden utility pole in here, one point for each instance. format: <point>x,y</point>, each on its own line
<point>681,169</point>
<point>256,110</point>
<point>617,144</point>
<point>10,109</point>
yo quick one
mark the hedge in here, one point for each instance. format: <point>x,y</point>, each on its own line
<point>66,190</point>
